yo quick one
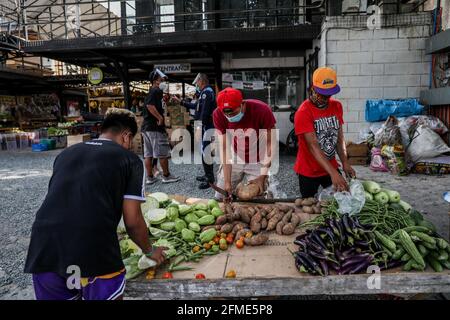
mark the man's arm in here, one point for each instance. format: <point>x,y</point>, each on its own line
<point>224,155</point>
<point>137,229</point>
<point>342,152</point>
<point>189,105</point>
<point>265,163</point>
<point>313,146</point>
<point>152,109</point>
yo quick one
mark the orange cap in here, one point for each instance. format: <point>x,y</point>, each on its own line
<point>325,81</point>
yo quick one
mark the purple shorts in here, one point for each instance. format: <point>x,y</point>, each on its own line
<point>51,286</point>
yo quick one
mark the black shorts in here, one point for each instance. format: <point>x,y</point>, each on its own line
<point>310,185</point>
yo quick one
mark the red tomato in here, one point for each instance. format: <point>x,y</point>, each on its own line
<point>200,276</point>
<point>167,275</point>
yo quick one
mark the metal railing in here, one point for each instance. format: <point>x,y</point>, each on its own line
<point>63,19</point>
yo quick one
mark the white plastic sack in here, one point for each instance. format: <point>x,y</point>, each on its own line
<point>426,144</point>
<point>351,201</point>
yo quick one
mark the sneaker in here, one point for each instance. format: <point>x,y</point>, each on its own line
<point>169,179</point>
<point>201,178</point>
<point>204,185</point>
<point>150,180</point>
<point>156,173</point>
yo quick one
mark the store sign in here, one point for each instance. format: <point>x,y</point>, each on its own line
<point>174,68</point>
<point>95,76</point>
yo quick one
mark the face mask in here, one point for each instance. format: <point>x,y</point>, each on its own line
<point>163,86</point>
<point>236,118</point>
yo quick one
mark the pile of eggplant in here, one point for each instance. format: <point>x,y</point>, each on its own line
<point>342,245</point>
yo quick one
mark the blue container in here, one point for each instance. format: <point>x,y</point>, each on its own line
<point>39,147</point>
<point>380,110</point>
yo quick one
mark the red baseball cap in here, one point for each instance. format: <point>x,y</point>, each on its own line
<point>229,98</point>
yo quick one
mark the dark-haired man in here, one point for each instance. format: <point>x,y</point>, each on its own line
<point>156,140</point>
<point>75,230</point>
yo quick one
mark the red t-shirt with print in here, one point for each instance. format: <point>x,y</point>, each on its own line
<point>257,115</point>
<point>325,123</point>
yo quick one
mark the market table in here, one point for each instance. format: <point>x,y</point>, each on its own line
<point>270,270</point>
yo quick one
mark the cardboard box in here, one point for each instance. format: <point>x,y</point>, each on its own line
<point>358,161</point>
<point>74,139</point>
<point>357,150</point>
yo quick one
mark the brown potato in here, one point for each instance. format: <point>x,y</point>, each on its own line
<point>307,209</point>
<point>255,227</point>
<point>256,240</point>
<point>280,226</point>
<point>316,210</point>
<point>287,217</point>
<point>298,202</point>
<point>226,228</point>
<point>247,191</point>
<point>264,223</point>
<point>288,229</point>
<point>221,220</point>
<point>307,202</point>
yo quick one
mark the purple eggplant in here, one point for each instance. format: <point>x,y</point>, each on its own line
<point>362,243</point>
<point>321,256</point>
<point>328,233</point>
<point>333,227</point>
<point>310,261</point>
<point>319,240</point>
<point>362,266</point>
<point>301,237</point>
<point>346,223</point>
<point>324,266</point>
<point>334,266</point>
<point>354,259</point>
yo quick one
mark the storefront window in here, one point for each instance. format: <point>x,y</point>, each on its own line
<point>277,88</point>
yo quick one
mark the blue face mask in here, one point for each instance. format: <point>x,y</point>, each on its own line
<point>236,118</point>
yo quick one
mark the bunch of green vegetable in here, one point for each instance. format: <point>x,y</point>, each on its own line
<point>418,246</point>
<point>177,227</point>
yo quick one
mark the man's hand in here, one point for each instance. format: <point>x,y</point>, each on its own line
<point>349,171</point>
<point>228,188</point>
<point>158,255</point>
<point>260,182</point>
<point>176,99</point>
<point>339,182</point>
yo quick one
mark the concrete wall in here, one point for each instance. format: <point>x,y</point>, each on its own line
<point>388,63</point>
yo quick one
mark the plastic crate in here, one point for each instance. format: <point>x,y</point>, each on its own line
<point>51,143</point>
<point>39,147</point>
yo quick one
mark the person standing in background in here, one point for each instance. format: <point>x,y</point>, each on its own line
<point>204,108</point>
<point>156,140</point>
<point>318,126</point>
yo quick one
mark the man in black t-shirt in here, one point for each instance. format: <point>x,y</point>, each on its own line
<point>156,140</point>
<point>74,236</point>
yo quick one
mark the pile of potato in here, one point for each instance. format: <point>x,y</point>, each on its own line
<point>309,205</point>
<point>258,220</point>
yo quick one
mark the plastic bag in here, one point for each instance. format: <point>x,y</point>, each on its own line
<point>395,159</point>
<point>431,122</point>
<point>351,201</point>
<point>273,189</point>
<point>379,110</point>
<point>377,162</point>
<point>389,134</point>
<point>426,144</point>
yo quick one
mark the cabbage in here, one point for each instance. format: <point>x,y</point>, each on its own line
<point>128,248</point>
<point>184,209</point>
<point>172,213</point>
<point>150,203</point>
<point>160,196</point>
<point>131,267</point>
<point>158,233</point>
<point>121,227</point>
<point>171,251</point>
<point>156,216</point>
<point>145,263</point>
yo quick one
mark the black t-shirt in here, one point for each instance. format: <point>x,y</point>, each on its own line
<point>150,123</point>
<point>77,223</point>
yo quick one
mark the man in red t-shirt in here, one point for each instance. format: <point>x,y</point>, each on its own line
<point>247,125</point>
<point>318,126</point>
